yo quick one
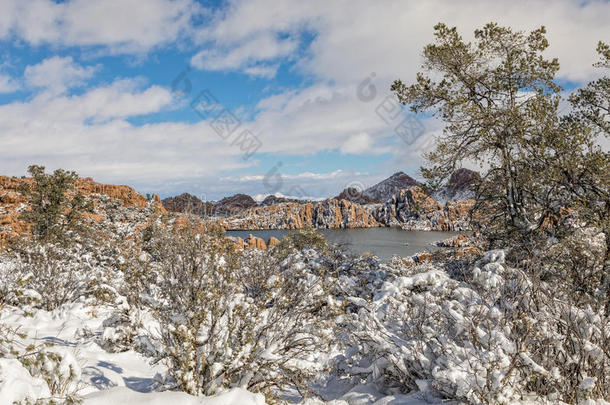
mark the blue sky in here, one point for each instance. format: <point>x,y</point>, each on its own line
<point>95,87</point>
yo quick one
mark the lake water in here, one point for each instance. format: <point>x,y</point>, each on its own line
<point>382,242</point>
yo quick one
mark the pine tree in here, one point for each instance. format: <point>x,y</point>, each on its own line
<point>52,212</point>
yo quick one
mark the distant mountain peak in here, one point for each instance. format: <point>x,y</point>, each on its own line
<point>354,195</point>
<point>387,188</point>
<point>460,186</point>
<point>398,174</point>
<point>188,203</point>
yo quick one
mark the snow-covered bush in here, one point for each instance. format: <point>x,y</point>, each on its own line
<point>298,240</point>
<point>42,374</point>
<point>494,338</point>
<point>235,319</point>
<point>48,275</point>
<point>574,266</point>
<point>60,371</point>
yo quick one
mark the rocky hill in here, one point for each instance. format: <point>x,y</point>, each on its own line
<point>234,204</point>
<point>119,208</point>
<point>354,195</point>
<point>273,200</point>
<point>396,201</point>
<point>461,186</point>
<point>412,209</point>
<point>389,187</point>
<point>330,213</point>
<point>188,203</point>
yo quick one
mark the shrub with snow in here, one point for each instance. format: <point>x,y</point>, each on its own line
<point>494,338</point>
<point>46,275</point>
<point>35,373</point>
<point>235,319</point>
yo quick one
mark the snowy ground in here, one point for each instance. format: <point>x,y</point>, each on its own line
<point>126,377</point>
<point>117,378</point>
<point>424,329</point>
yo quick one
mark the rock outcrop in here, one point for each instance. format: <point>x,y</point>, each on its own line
<point>412,209</point>
<point>188,203</point>
<point>328,214</point>
<point>127,195</point>
<point>12,203</point>
<point>118,206</point>
<point>396,201</point>
<point>461,186</point>
<point>273,241</point>
<point>234,204</point>
<point>255,242</point>
<point>354,195</point>
<point>273,200</point>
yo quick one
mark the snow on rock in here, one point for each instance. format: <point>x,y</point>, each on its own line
<point>413,209</point>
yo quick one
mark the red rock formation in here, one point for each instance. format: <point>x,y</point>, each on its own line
<point>273,241</point>
<point>324,214</point>
<point>254,242</point>
<point>238,242</point>
<point>126,194</point>
<point>12,202</point>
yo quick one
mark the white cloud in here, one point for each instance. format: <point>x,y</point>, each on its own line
<point>121,26</point>
<point>252,56</point>
<point>119,100</point>
<point>355,38</point>
<point>358,143</point>
<point>8,16</point>
<point>8,84</point>
<point>352,40</point>
<point>58,74</point>
<point>320,118</point>
<point>89,133</point>
<point>299,176</point>
<point>261,70</point>
<point>349,40</point>
<point>307,185</point>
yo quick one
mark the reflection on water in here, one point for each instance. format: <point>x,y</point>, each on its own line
<point>382,242</point>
